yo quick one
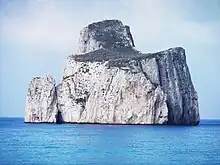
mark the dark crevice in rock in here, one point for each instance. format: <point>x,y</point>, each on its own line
<point>132,118</point>
<point>80,100</point>
<point>170,114</point>
<point>54,97</point>
<point>159,71</point>
<point>53,103</point>
<point>59,117</point>
<point>129,34</point>
<point>154,112</point>
<point>64,78</point>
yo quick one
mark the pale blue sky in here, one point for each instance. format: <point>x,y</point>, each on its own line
<point>36,36</point>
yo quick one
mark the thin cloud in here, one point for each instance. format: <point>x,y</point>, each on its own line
<point>46,25</point>
<point>166,24</point>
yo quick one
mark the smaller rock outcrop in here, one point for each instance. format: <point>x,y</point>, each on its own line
<point>41,100</point>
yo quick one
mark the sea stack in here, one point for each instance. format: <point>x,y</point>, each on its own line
<point>108,81</point>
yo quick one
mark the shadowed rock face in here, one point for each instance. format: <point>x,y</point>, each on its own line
<point>111,82</point>
<point>175,80</point>
<point>59,117</point>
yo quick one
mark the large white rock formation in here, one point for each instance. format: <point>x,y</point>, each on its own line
<point>108,81</point>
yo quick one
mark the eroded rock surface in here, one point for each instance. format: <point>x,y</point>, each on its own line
<point>98,93</point>
<point>104,34</point>
<point>41,101</point>
<point>110,82</point>
<point>175,80</point>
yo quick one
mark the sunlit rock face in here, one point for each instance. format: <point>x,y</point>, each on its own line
<point>110,82</point>
<point>41,100</point>
<point>101,92</point>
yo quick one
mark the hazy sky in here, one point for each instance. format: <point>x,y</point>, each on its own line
<point>36,36</point>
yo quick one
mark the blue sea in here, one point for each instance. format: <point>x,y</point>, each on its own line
<point>75,144</point>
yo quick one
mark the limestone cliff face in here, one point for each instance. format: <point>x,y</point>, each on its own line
<point>175,80</point>
<point>96,92</point>
<point>109,81</point>
<point>41,101</point>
